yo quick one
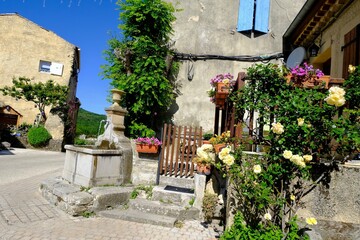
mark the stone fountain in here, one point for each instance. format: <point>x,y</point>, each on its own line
<point>109,162</point>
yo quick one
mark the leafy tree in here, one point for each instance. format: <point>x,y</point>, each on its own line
<point>141,63</point>
<point>42,94</point>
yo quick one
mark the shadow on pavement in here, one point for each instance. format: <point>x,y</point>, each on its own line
<point>5,152</point>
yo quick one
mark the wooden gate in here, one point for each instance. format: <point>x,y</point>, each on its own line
<point>178,149</point>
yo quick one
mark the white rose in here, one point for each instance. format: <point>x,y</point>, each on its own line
<point>229,160</point>
<point>267,216</point>
<point>287,154</point>
<point>300,121</point>
<point>277,128</point>
<point>257,168</point>
<point>307,158</point>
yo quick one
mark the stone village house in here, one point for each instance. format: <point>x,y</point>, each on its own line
<point>241,28</point>
<point>28,50</point>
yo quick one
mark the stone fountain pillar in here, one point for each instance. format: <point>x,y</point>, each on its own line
<point>116,114</point>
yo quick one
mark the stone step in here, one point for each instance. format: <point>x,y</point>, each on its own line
<point>164,209</point>
<point>139,216</point>
<point>177,181</point>
<point>170,194</point>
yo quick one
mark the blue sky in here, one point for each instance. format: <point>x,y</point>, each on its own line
<point>88,24</point>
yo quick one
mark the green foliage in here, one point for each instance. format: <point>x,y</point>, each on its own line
<point>141,130</point>
<point>88,214</point>
<point>147,189</point>
<point>88,123</point>
<point>42,94</point>
<point>207,136</point>
<point>138,64</point>
<point>240,231</point>
<point>38,136</point>
<point>79,142</point>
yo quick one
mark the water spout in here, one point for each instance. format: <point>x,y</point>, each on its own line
<point>105,125</point>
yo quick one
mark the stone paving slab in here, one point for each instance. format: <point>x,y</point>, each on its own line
<point>25,214</point>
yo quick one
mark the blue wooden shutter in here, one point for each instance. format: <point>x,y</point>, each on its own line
<point>246,14</point>
<point>262,15</point>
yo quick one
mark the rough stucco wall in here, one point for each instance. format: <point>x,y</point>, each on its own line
<point>333,37</point>
<point>23,44</point>
<point>339,201</point>
<point>209,27</point>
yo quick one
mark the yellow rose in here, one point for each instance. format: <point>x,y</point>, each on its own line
<point>337,90</point>
<point>229,160</point>
<point>311,221</point>
<point>292,197</point>
<point>267,216</point>
<point>335,99</point>
<point>224,152</point>
<point>207,147</point>
<point>298,160</point>
<point>257,168</point>
<point>351,68</point>
<point>277,128</point>
<point>307,158</point>
<point>300,121</point>
<point>287,154</point>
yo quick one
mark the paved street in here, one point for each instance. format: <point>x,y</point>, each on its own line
<point>24,214</point>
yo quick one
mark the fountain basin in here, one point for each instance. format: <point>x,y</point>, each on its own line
<point>90,167</point>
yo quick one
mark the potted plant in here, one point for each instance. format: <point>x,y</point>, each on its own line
<point>221,86</point>
<point>220,141</point>
<point>206,138</point>
<point>205,159</point>
<point>307,77</point>
<point>147,144</point>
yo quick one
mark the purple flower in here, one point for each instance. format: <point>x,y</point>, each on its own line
<point>148,141</point>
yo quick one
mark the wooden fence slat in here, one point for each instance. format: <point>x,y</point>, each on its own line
<point>161,165</point>
<point>168,138</point>
<point>178,158</point>
<point>172,150</point>
<point>189,152</point>
<point>183,147</point>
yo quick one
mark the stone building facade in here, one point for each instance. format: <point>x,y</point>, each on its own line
<point>28,50</point>
<point>217,28</point>
<point>334,28</point>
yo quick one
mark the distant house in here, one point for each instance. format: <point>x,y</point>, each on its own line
<point>329,30</point>
<point>228,37</point>
<point>28,50</point>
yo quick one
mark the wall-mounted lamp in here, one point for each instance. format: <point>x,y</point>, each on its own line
<point>314,50</point>
<point>7,107</point>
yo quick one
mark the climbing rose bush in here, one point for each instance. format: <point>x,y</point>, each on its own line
<point>306,127</point>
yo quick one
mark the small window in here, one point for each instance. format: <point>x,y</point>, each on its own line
<point>44,66</point>
<point>51,67</point>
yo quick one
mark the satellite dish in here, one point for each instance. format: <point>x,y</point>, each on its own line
<point>296,57</point>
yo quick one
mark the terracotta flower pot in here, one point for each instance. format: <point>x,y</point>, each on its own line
<point>203,169</point>
<point>145,148</point>
<point>219,146</point>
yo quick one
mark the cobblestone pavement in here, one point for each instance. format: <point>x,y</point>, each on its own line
<point>25,215</point>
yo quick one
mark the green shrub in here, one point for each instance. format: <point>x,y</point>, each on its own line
<point>79,141</point>
<point>38,136</point>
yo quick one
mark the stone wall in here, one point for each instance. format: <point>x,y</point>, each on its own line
<point>338,200</point>
<point>209,27</point>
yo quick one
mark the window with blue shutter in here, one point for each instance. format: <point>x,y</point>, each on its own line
<point>253,15</point>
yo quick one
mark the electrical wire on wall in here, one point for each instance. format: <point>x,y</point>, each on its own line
<point>241,58</point>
